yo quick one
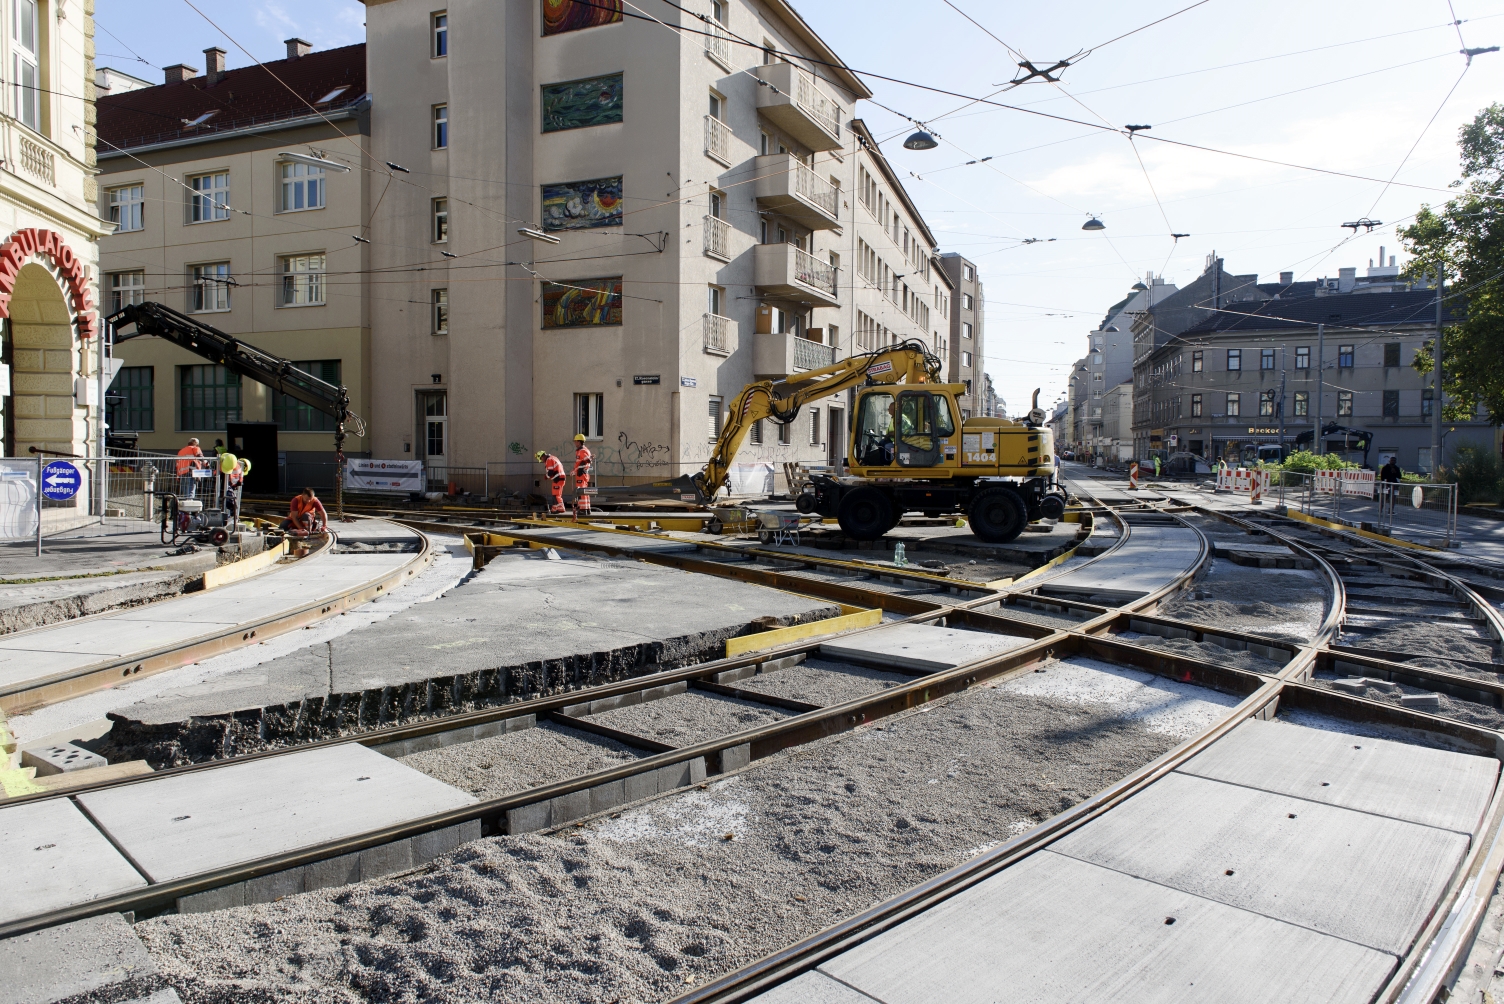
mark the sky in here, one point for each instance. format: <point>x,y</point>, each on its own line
<point>1375,89</point>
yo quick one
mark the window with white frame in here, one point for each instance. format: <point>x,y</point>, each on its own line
<point>209,197</point>
<point>440,299</point>
<point>209,287</point>
<point>1234,405</point>
<point>814,427</point>
<point>440,220</point>
<point>440,34</point>
<point>26,74</point>
<point>965,329</point>
<point>969,272</point>
<point>968,302</point>
<point>440,127</point>
<point>965,358</point>
<point>302,187</point>
<point>590,415</point>
<point>126,288</point>
<point>1344,404</point>
<point>714,414</point>
<point>126,207</point>
<point>302,280</point>
<point>785,433</point>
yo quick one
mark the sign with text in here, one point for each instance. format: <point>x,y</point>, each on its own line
<point>384,475</point>
<point>60,481</point>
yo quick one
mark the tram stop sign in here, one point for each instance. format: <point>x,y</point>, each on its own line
<point>60,481</point>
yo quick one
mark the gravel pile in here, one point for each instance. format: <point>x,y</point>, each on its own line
<point>500,765</point>
<point>1472,712</point>
<point>823,682</point>
<point>689,718</point>
<point>1286,604</point>
<point>1205,652</point>
<point>645,904</point>
<point>1447,639</point>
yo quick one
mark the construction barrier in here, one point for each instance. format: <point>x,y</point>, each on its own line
<point>1349,482</point>
<point>1254,482</point>
<point>1133,477</point>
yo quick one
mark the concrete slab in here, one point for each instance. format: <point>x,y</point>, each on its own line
<point>813,987</point>
<point>621,541</point>
<point>56,858</point>
<point>111,546</point>
<point>71,959</point>
<point>920,647</point>
<point>1359,877</point>
<point>1435,787</point>
<point>178,826</point>
<point>1150,560</point>
<point>36,604</point>
<point>1055,930</point>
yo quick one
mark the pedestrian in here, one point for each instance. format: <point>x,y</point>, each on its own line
<point>1156,465</point>
<point>1391,475</point>
<point>554,471</point>
<point>305,515</point>
<point>187,487</point>
<point>582,462</point>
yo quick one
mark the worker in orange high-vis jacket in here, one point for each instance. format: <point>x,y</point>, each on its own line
<point>187,486</point>
<point>582,462</point>
<point>554,471</point>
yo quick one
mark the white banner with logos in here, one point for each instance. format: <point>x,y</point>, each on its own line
<point>751,479</point>
<point>18,499</point>
<point>384,475</point>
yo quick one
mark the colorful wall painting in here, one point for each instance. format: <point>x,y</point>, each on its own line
<point>576,104</point>
<point>560,16</point>
<point>582,303</point>
<point>582,205</point>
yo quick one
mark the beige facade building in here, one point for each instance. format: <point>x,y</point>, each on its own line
<point>701,210</point>
<point>240,197</point>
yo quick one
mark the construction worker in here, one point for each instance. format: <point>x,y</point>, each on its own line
<point>582,462</point>
<point>186,486</point>
<point>306,515</point>
<point>554,471</point>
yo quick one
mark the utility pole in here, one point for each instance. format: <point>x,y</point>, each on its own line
<point>1320,362</point>
<point>1436,383</point>
<point>1282,404</point>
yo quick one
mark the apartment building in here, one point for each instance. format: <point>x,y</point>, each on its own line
<point>625,221</point>
<point>241,197</point>
<point>1109,362</point>
<point>964,361</point>
<point>49,344</point>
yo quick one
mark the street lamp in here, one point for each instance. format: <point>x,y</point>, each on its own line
<point>921,140</point>
<point>537,235</point>
<point>1093,224</point>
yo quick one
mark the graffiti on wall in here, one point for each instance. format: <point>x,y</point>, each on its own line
<point>576,104</point>
<point>582,205</point>
<point>582,303</point>
<point>560,16</point>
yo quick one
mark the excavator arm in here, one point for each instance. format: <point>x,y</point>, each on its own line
<point>780,400</point>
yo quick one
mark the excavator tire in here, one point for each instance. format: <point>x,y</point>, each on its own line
<point>997,515</point>
<point>866,514</point>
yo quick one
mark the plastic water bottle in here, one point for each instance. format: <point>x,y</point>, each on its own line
<point>898,556</point>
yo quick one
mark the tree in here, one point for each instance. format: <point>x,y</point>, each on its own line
<point>1466,236</point>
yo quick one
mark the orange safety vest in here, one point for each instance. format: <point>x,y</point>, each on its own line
<point>582,459</point>
<point>553,469</point>
<point>184,466</point>
<point>299,507</point>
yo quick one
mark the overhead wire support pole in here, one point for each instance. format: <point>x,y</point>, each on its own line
<point>1436,381</point>
<point>1320,378</point>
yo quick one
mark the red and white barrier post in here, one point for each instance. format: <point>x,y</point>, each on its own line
<point>1133,476</point>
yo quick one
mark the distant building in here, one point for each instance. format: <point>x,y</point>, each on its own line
<point>993,406</point>
<point>1109,360</point>
<point>964,362</point>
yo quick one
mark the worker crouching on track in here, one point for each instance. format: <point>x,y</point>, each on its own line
<point>306,515</point>
<point>554,471</point>
<point>582,462</point>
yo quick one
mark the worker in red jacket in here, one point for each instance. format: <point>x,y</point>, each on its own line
<point>582,462</point>
<point>554,471</point>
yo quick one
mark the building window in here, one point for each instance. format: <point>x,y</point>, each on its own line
<point>130,400</point>
<point>292,415</point>
<point>1344,404</point>
<point>126,205</point>
<point>1196,363</point>
<point>1303,357</point>
<point>1427,398</point>
<point>590,415</point>
<point>440,298</point>
<point>1195,405</point>
<point>440,34</point>
<point>1391,401</point>
<point>1391,357</point>
<point>302,187</point>
<point>1302,403</point>
<point>965,329</point>
<point>440,221</point>
<point>27,75</point>
<point>755,433</point>
<point>209,290</point>
<point>1266,359</point>
<point>714,414</point>
<point>1266,403</point>
<point>785,433</point>
<point>1234,359</point>
<point>440,127</point>
<point>209,198</point>
<point>969,273</point>
<point>1345,356</point>
<point>208,397</point>
<point>814,427</point>
<point>715,299</point>
<point>967,303</point>
<point>718,11</point>
<point>126,287</point>
<point>302,280</point>
<point>1234,405</point>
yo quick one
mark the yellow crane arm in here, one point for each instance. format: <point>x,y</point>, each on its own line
<point>780,400</point>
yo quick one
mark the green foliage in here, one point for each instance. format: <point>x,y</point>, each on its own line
<point>1466,237</point>
<point>1306,462</point>
<point>1476,473</point>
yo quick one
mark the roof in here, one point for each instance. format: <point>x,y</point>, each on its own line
<point>1341,310</point>
<point>835,66</point>
<point>1286,291</point>
<point>250,95</point>
<point>860,128</point>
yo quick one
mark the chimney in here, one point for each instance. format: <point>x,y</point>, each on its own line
<point>1391,261</point>
<point>1287,278</point>
<point>179,72</point>
<point>1347,278</point>
<point>214,63</point>
<point>297,48</point>
<point>1381,256</point>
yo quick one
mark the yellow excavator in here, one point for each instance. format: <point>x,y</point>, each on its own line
<point>910,450</point>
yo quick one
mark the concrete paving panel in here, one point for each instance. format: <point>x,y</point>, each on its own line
<point>179,826</point>
<point>623,541</point>
<point>920,647</point>
<point>1054,930</point>
<point>813,987</point>
<point>1430,786</point>
<point>70,959</point>
<point>1150,560</point>
<point>1356,876</point>
<point>55,858</point>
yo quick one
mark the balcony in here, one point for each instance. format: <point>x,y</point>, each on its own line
<point>786,185</point>
<point>720,332</point>
<point>781,353</point>
<point>717,238</point>
<point>717,140</point>
<point>796,105</point>
<point>718,46</point>
<point>785,271</point>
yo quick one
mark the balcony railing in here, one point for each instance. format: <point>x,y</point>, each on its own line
<point>811,355</point>
<point>807,185</point>
<point>718,334</point>
<point>816,105</point>
<point>38,161</point>
<point>717,140</point>
<point>718,46</point>
<point>717,238</point>
<point>813,272</point>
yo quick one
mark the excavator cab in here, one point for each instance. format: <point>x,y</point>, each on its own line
<point>904,427</point>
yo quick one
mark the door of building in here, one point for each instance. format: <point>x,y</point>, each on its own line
<point>433,434</point>
<point>835,438</point>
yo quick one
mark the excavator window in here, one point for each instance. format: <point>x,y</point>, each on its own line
<point>874,431</point>
<point>944,424</point>
<point>919,428</point>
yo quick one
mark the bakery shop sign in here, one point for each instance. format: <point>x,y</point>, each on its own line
<point>19,249</point>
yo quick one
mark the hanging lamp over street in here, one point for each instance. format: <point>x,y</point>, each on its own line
<point>1093,224</point>
<point>921,140</point>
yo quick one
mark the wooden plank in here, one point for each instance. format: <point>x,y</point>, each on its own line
<point>797,632</point>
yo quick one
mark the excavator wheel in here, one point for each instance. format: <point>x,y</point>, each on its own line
<point>997,515</point>
<point>805,502</point>
<point>866,514</point>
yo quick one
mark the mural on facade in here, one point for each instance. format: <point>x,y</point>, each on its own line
<point>560,16</point>
<point>582,303</point>
<point>582,205</point>
<point>576,104</point>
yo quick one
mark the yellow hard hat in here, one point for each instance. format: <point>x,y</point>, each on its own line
<point>579,437</point>
<point>245,462</point>
<point>540,455</point>
<point>226,462</point>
